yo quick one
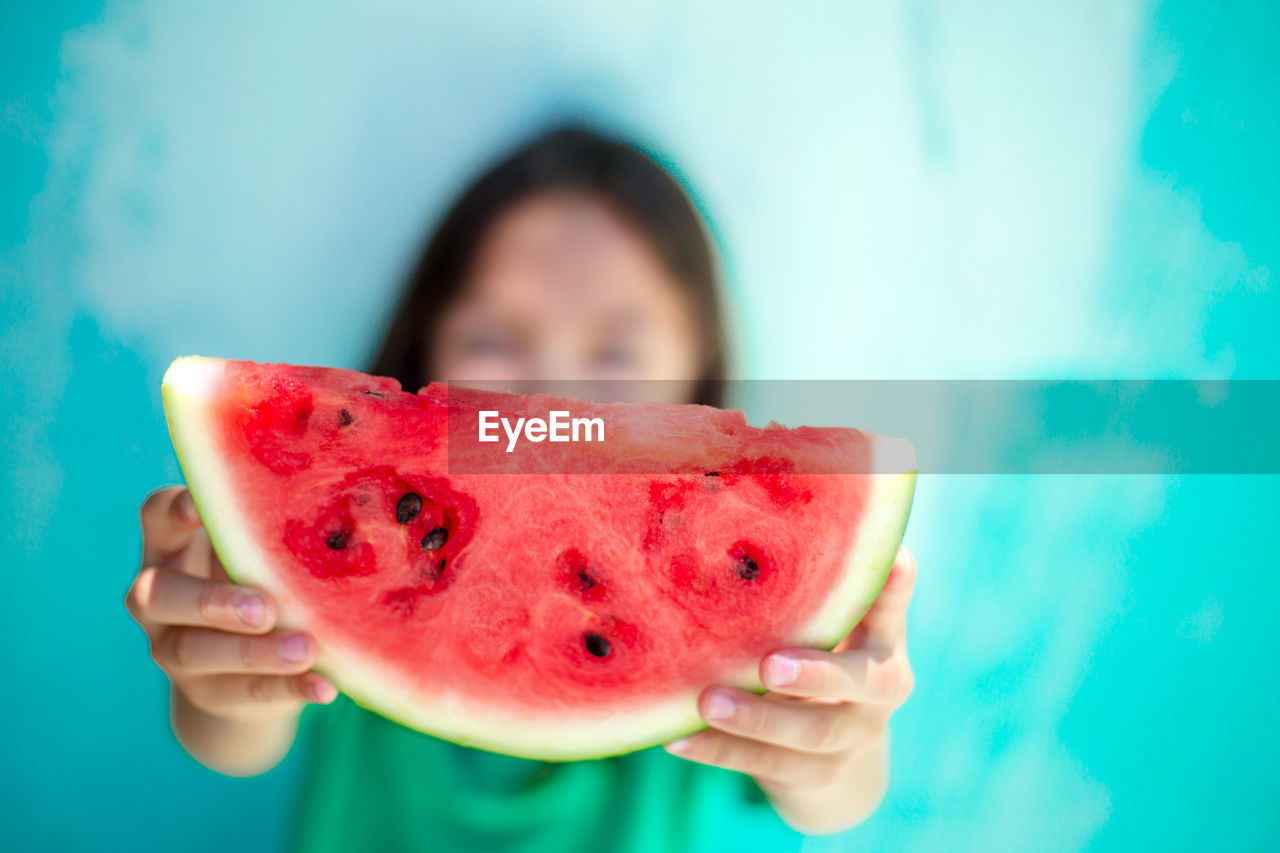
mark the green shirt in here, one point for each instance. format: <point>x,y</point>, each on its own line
<point>376,785</point>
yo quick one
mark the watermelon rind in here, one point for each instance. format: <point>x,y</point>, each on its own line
<point>565,734</point>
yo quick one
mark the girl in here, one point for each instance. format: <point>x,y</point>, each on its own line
<point>577,257</point>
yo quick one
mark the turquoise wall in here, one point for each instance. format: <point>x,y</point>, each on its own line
<point>910,190</point>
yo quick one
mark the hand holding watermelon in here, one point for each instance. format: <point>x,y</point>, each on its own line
<point>819,735</point>
<point>237,680</point>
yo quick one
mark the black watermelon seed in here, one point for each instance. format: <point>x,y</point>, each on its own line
<point>408,508</point>
<point>712,474</point>
<point>435,540</point>
<point>337,540</point>
<point>596,645</point>
<point>584,580</point>
<point>344,418</point>
<point>376,394</point>
<point>748,569</point>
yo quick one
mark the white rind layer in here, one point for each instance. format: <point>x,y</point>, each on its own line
<point>188,388</point>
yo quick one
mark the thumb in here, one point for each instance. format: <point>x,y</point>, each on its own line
<point>217,572</point>
<point>169,524</point>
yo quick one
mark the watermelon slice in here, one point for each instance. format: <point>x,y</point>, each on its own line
<point>555,615</point>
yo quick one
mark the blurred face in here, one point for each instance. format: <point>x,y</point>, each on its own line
<point>564,289</point>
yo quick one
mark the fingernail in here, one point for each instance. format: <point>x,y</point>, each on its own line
<point>252,610</point>
<point>781,670</point>
<point>719,707</point>
<point>294,648</point>
<point>678,745</point>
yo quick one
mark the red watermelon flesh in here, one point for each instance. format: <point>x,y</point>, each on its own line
<point>572,605</point>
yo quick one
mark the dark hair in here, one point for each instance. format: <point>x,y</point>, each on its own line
<point>567,159</point>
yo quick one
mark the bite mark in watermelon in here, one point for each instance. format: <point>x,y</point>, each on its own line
<point>547,615</point>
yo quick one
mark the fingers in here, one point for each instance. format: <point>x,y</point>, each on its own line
<point>212,637</point>
<point>169,521</point>
<point>872,676</point>
<point>182,652</point>
<point>244,695</point>
<point>803,726</point>
<point>789,744</point>
<point>870,666</point>
<point>782,768</point>
<point>168,597</point>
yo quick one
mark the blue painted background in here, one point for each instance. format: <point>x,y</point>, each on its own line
<point>916,190</point>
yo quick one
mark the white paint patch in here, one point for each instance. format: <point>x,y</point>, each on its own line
<point>1203,625</point>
